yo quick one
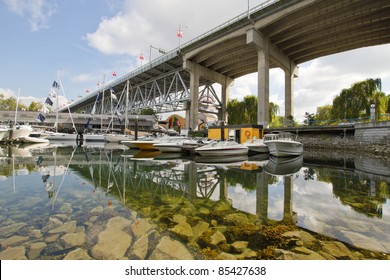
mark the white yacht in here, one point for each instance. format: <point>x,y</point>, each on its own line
<point>283,144</point>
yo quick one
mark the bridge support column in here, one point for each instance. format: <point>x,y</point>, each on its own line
<point>192,115</point>
<point>196,71</point>
<point>261,44</point>
<point>225,98</point>
<point>289,75</point>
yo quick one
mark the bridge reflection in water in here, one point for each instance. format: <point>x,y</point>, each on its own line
<point>335,197</point>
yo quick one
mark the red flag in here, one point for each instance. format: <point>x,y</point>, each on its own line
<point>141,56</point>
<point>114,74</point>
<point>86,90</point>
<point>179,33</point>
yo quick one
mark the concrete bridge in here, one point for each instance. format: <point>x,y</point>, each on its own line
<point>280,34</point>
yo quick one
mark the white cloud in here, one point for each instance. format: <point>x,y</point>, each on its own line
<point>37,12</point>
<point>142,23</point>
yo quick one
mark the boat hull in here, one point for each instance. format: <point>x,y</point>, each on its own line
<point>284,148</point>
<point>18,133</point>
<point>28,139</point>
<point>94,138</point>
<point>143,145</point>
<point>61,136</point>
<point>168,148</point>
<point>223,152</point>
<point>3,135</point>
<point>117,138</point>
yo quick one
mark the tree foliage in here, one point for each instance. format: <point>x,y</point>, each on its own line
<point>354,102</point>
<point>245,111</point>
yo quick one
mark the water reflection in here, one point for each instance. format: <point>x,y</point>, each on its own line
<point>342,200</point>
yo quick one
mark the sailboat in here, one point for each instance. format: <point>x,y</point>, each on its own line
<point>59,136</point>
<point>117,137</point>
<point>18,130</point>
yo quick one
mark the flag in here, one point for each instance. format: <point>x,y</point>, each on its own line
<point>179,33</point>
<point>87,90</point>
<point>87,124</point>
<point>114,74</point>
<point>113,96</point>
<point>41,118</point>
<point>48,101</point>
<point>55,85</point>
<point>141,56</point>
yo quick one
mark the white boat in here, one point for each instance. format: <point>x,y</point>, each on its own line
<point>32,139</point>
<point>92,137</point>
<point>170,145</point>
<point>117,138</point>
<point>222,148</point>
<point>18,131</point>
<point>284,166</point>
<point>3,134</point>
<point>59,136</point>
<point>283,144</point>
<point>256,145</point>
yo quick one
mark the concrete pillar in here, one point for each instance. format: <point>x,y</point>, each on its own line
<point>262,46</point>
<point>288,94</point>
<point>196,71</point>
<point>225,98</point>
<point>288,197</point>
<point>262,197</point>
<point>289,75</point>
<point>263,87</point>
<point>192,116</point>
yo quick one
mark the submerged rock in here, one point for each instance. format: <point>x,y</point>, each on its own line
<point>169,249</point>
<point>13,253</point>
<point>78,254</point>
<point>112,245</point>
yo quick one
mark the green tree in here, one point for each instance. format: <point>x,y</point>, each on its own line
<point>273,111</point>
<point>147,111</point>
<point>235,111</point>
<point>35,106</point>
<point>354,102</point>
<point>324,114</point>
<point>250,109</point>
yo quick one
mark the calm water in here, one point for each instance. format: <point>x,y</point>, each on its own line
<point>345,198</point>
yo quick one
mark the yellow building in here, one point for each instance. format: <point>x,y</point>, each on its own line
<point>239,133</point>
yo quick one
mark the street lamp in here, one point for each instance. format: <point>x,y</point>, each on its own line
<point>160,50</point>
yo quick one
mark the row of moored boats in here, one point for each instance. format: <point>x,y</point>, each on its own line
<point>280,144</point>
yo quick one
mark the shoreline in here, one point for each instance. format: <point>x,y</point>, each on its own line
<point>347,146</point>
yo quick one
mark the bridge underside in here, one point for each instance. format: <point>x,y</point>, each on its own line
<point>278,34</point>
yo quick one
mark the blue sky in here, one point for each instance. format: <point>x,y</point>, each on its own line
<point>89,39</point>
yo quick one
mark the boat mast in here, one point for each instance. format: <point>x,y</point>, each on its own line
<point>67,105</point>
<point>56,92</point>
<point>102,110</point>
<point>17,105</point>
<point>127,105</point>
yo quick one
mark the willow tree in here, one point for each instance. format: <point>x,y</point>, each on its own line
<point>245,111</point>
<point>355,102</point>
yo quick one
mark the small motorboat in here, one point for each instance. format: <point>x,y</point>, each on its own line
<point>222,148</point>
<point>256,145</point>
<point>283,144</point>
